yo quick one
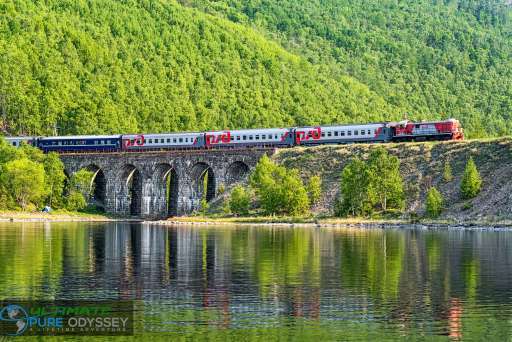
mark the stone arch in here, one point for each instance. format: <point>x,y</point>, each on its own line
<point>99,182</point>
<point>201,174</point>
<point>237,172</point>
<point>131,178</point>
<point>166,181</point>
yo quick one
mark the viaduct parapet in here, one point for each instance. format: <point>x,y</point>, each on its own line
<point>155,185</point>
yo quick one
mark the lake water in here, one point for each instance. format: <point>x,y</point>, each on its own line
<point>259,283</point>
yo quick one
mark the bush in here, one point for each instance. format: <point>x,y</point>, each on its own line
<point>239,201</point>
<point>279,190</point>
<point>75,201</point>
<point>434,203</point>
<point>471,182</point>
<point>368,185</point>
<point>314,189</point>
<point>447,172</point>
<point>25,179</point>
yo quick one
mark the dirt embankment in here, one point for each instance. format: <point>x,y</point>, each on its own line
<point>421,165</point>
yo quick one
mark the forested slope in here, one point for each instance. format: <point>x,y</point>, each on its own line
<point>136,66</point>
<point>164,65</point>
<point>429,58</point>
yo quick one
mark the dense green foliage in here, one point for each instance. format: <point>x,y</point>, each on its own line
<point>429,58</point>
<point>314,189</point>
<point>25,179</point>
<point>128,66</point>
<point>80,189</point>
<point>471,181</point>
<point>239,201</point>
<point>279,190</point>
<point>125,66</point>
<point>29,178</point>
<point>434,203</point>
<point>357,195</point>
<point>372,184</point>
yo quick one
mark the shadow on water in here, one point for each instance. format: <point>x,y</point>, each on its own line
<point>272,282</point>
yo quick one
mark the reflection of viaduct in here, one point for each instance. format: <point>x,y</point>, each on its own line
<point>162,184</point>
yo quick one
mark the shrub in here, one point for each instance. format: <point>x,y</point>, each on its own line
<point>25,179</point>
<point>239,201</point>
<point>447,172</point>
<point>75,201</point>
<point>279,190</point>
<point>434,203</point>
<point>314,189</point>
<point>471,182</point>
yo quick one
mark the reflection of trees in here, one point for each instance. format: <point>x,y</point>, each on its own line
<point>219,275</point>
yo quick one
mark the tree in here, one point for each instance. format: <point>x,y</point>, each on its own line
<point>385,179</point>
<point>435,202</point>
<point>314,189</point>
<point>80,189</point>
<point>357,198</point>
<point>471,181</point>
<point>279,190</point>
<point>55,178</point>
<point>447,172</point>
<point>25,179</point>
<point>239,201</point>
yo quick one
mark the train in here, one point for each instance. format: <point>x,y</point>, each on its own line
<point>383,132</point>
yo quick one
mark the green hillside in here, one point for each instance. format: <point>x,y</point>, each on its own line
<point>135,66</point>
<point>425,57</point>
<point>109,66</point>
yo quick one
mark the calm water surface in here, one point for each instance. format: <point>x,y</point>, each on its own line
<point>272,283</point>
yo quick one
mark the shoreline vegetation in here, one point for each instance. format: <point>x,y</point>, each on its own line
<point>279,221</point>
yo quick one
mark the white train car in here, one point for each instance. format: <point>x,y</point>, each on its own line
<point>342,134</point>
<point>17,141</point>
<point>249,137</point>
<point>137,142</point>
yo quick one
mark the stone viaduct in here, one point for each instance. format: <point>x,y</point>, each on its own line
<point>153,185</point>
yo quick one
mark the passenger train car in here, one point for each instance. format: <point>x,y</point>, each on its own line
<point>247,138</point>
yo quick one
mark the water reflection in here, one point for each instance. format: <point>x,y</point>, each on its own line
<point>446,283</point>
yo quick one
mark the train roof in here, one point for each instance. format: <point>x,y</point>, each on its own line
<point>81,137</point>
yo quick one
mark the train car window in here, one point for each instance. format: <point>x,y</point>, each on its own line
<point>237,137</point>
<point>186,140</point>
<point>356,132</point>
<point>14,143</point>
<point>180,140</point>
<point>257,137</point>
<point>323,134</point>
<point>369,132</point>
<point>232,138</point>
<point>276,137</point>
<point>363,132</point>
<point>263,137</point>
<point>335,133</point>
<point>150,141</point>
<point>342,133</point>
<point>349,133</point>
<point>174,140</point>
<point>132,142</point>
<point>250,137</point>
<point>244,137</point>
<point>417,126</point>
<point>168,140</point>
<point>329,134</point>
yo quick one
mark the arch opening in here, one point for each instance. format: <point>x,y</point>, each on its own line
<point>237,172</point>
<point>133,183</point>
<point>168,185</point>
<point>99,187</point>
<point>203,178</point>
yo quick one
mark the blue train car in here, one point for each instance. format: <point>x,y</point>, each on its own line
<point>80,143</point>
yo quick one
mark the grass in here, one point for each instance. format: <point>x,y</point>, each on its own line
<point>55,215</point>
